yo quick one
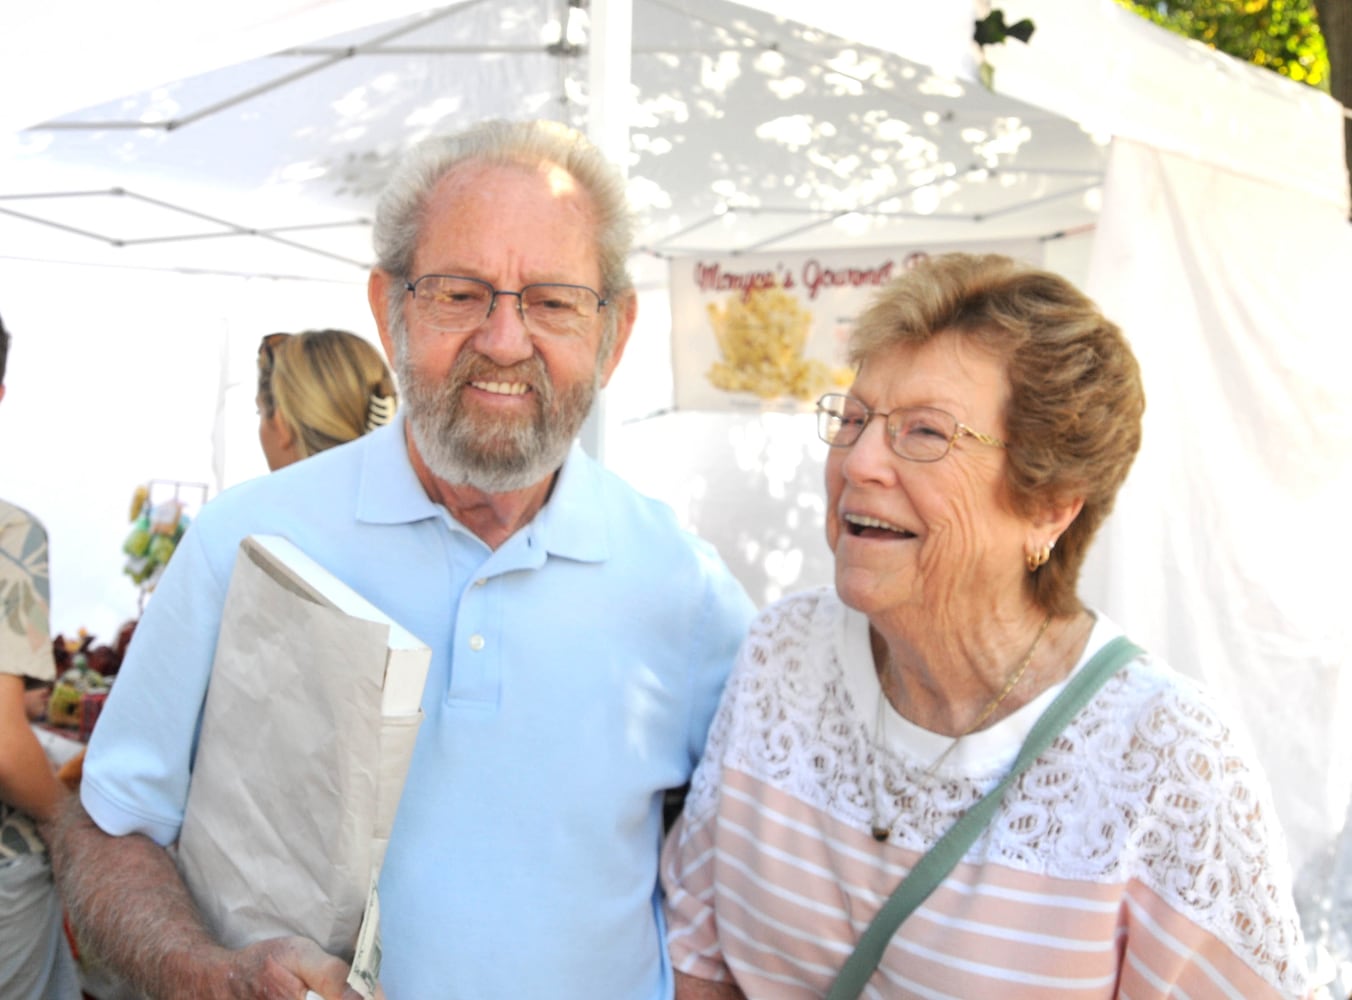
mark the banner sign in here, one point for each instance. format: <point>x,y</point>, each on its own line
<point>757,331</point>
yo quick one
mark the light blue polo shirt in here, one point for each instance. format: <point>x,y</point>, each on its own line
<point>574,674</point>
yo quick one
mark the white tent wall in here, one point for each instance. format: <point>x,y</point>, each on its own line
<point>1226,549</point>
<point>119,376</point>
<point>1223,249</point>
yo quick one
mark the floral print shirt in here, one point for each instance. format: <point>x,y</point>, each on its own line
<point>25,638</point>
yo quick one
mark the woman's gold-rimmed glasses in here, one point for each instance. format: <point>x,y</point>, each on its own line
<point>916,433</point>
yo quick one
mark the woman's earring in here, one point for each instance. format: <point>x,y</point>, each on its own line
<point>1034,560</point>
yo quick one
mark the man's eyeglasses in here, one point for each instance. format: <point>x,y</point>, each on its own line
<point>455,304</point>
<point>916,433</point>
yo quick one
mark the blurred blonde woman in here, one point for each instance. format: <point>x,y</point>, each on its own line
<point>319,389</point>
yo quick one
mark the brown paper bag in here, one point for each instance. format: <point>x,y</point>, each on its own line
<point>307,731</point>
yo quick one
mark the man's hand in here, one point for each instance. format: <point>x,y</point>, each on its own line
<point>284,969</point>
<point>131,910</point>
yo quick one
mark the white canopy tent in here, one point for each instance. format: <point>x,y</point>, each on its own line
<point>745,132</point>
<point>1202,202</point>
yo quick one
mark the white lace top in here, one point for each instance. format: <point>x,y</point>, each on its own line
<point>1138,856</point>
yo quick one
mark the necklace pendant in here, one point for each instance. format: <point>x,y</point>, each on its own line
<point>881,833</point>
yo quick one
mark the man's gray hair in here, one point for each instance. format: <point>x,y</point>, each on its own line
<point>401,211</point>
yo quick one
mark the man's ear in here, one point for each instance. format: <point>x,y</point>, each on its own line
<point>378,297</point>
<point>626,309</point>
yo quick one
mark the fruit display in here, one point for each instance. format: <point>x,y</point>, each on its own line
<point>155,533</point>
<point>68,694</point>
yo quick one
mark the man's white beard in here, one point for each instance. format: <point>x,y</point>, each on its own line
<point>464,448</point>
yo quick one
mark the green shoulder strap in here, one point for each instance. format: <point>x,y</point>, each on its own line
<point>931,870</point>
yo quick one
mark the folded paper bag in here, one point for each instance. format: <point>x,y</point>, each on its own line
<point>307,730</point>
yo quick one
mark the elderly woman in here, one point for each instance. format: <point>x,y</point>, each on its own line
<point>319,389</point>
<point>994,415</point>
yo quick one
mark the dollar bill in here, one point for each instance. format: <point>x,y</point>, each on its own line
<point>365,974</point>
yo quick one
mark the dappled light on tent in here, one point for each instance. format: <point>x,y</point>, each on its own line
<point>731,105</point>
<point>777,454</point>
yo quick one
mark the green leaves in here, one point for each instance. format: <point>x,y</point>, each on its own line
<point>1280,35</point>
<point>992,30</point>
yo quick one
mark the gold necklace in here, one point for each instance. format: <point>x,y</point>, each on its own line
<point>882,833</point>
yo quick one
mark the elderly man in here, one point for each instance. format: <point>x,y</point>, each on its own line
<point>580,639</point>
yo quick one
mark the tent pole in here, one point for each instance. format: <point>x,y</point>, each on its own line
<point>609,61</point>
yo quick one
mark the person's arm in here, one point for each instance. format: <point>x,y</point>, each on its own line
<point>27,780</point>
<point>130,908</point>
<point>692,988</point>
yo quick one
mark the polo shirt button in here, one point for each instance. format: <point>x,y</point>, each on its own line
<point>480,582</point>
<point>476,642</point>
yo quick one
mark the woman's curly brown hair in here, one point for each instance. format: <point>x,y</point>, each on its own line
<point>1073,421</point>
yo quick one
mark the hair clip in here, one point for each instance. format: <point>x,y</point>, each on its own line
<point>379,411</point>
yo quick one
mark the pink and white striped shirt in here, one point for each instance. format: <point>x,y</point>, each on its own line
<point>1138,858</point>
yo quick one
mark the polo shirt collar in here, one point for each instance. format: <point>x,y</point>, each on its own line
<point>389,491</point>
<point>572,523</point>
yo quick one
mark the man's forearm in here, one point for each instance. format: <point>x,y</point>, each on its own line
<point>130,907</point>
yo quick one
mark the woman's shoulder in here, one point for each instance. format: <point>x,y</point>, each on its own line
<point>794,633</point>
<point>1165,707</point>
<point>800,613</point>
<point>1174,771</point>
<point>786,706</point>
<point>791,660</point>
<point>1156,732</point>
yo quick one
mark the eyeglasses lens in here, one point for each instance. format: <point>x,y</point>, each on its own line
<point>458,305</point>
<point>918,433</point>
<point>839,420</point>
